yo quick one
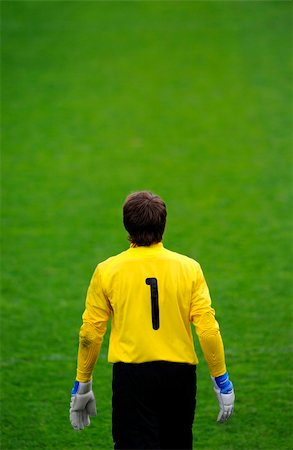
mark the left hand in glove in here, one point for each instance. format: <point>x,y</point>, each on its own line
<point>225,395</point>
<point>82,405</point>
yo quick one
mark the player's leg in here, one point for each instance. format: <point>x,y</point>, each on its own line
<point>134,414</point>
<point>178,401</point>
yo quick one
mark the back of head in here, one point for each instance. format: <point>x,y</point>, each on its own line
<point>144,217</point>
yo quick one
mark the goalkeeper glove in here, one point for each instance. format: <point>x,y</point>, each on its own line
<point>225,395</point>
<point>82,405</point>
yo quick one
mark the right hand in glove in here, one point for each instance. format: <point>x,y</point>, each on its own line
<point>82,405</point>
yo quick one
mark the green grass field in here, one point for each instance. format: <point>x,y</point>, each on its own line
<point>193,101</point>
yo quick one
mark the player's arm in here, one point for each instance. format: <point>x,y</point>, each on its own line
<point>207,328</point>
<point>95,317</point>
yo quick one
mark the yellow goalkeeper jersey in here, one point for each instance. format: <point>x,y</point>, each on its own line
<point>152,296</point>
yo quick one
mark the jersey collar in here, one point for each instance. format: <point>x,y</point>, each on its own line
<point>146,249</point>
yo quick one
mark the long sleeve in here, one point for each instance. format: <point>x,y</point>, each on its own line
<point>97,313</point>
<point>207,329</point>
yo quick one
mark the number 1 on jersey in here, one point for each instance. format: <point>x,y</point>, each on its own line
<point>153,283</point>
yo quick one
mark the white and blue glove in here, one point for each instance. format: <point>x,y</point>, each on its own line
<point>82,405</point>
<point>225,395</point>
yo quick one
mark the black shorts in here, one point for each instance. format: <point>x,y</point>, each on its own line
<point>153,405</point>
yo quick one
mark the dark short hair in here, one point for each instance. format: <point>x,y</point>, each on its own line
<point>144,217</point>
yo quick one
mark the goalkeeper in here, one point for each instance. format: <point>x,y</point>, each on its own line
<point>152,295</point>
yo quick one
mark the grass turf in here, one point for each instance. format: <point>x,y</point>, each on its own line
<point>193,101</point>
